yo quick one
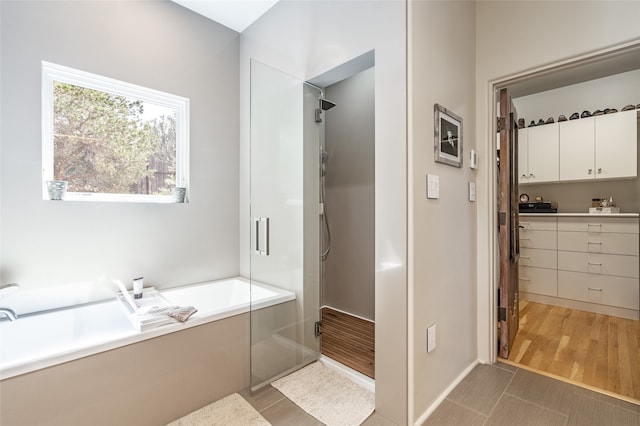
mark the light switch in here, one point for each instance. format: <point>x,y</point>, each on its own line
<point>431,338</point>
<point>433,186</point>
<point>472,191</point>
<point>473,159</point>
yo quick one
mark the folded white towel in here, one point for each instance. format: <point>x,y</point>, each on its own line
<point>181,313</point>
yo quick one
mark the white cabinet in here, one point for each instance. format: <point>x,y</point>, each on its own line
<point>577,149</point>
<point>598,261</point>
<point>616,145</point>
<point>601,147</point>
<point>538,154</point>
<point>584,262</point>
<point>538,255</point>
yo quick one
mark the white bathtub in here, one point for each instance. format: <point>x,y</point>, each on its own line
<point>34,342</point>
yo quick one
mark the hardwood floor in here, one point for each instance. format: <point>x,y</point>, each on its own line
<point>349,340</point>
<point>593,349</point>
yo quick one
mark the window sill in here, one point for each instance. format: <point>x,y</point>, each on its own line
<point>118,198</point>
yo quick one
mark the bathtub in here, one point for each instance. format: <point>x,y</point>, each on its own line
<point>38,341</point>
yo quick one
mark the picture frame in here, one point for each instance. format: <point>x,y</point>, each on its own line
<point>447,136</point>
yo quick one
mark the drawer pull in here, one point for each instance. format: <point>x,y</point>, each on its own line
<point>525,257</point>
<point>524,279</point>
<point>595,289</point>
<point>592,242</point>
<point>594,264</point>
<point>525,239</point>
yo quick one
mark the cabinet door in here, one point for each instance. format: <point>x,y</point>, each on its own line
<point>607,243</point>
<point>597,263</point>
<point>601,289</point>
<point>544,153</point>
<point>598,225</point>
<point>523,156</point>
<point>547,240</point>
<point>577,149</point>
<point>539,281</point>
<point>616,145</point>
<point>537,222</point>
<point>539,258</point>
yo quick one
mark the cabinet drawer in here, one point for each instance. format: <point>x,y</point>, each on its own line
<point>539,258</point>
<point>538,239</point>
<point>596,225</point>
<point>538,223</point>
<point>602,264</point>
<point>602,289</point>
<point>539,280</point>
<point>626,244</point>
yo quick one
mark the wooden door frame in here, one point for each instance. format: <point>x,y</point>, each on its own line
<point>488,312</point>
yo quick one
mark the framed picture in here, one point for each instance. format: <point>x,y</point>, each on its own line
<point>448,136</point>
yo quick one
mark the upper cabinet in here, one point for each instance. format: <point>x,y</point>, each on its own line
<point>577,149</point>
<point>616,145</point>
<point>601,147</point>
<point>538,154</point>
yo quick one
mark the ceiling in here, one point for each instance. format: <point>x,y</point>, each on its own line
<point>235,14</point>
<point>627,59</point>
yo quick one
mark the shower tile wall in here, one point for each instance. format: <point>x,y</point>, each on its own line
<point>349,270</point>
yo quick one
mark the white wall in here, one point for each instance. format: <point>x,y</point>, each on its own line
<point>306,39</point>
<point>349,269</point>
<point>615,91</point>
<point>154,44</point>
<point>570,31</point>
<point>442,231</point>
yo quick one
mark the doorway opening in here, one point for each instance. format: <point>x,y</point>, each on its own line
<point>580,335</point>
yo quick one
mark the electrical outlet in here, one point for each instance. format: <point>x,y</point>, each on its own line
<point>431,338</point>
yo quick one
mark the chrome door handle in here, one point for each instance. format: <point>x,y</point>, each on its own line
<point>262,243</point>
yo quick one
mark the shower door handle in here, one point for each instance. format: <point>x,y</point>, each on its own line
<point>262,235</point>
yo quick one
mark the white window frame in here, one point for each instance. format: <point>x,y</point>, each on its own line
<point>53,72</point>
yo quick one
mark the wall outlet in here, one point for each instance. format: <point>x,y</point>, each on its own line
<point>431,338</point>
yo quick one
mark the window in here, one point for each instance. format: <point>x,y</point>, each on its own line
<point>111,140</point>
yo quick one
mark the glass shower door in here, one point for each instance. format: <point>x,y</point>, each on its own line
<point>284,222</point>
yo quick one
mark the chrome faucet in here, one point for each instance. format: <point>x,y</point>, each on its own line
<point>4,291</point>
<point>9,314</point>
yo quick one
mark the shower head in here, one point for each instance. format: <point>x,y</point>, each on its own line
<point>326,105</point>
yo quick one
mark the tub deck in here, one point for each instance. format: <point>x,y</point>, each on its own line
<point>35,342</point>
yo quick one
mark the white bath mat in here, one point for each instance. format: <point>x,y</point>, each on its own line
<point>232,410</point>
<point>327,395</point>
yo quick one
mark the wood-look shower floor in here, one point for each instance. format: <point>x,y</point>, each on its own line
<point>349,340</point>
<point>596,350</point>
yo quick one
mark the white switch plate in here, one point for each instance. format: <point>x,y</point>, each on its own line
<point>433,186</point>
<point>431,338</point>
<point>472,191</point>
<point>473,159</point>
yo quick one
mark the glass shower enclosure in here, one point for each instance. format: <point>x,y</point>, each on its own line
<point>284,221</point>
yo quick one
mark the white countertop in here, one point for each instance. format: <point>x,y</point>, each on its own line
<point>581,214</point>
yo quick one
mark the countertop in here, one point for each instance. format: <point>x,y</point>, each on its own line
<point>580,215</point>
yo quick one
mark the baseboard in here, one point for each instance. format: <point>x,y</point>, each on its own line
<point>431,408</point>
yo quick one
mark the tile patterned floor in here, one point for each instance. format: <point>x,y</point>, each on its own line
<point>491,395</point>
<point>501,394</point>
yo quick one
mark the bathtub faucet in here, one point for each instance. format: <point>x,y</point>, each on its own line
<point>5,290</point>
<point>9,314</point>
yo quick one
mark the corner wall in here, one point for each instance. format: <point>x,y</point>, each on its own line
<point>442,243</point>
<point>570,32</point>
<point>154,44</point>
